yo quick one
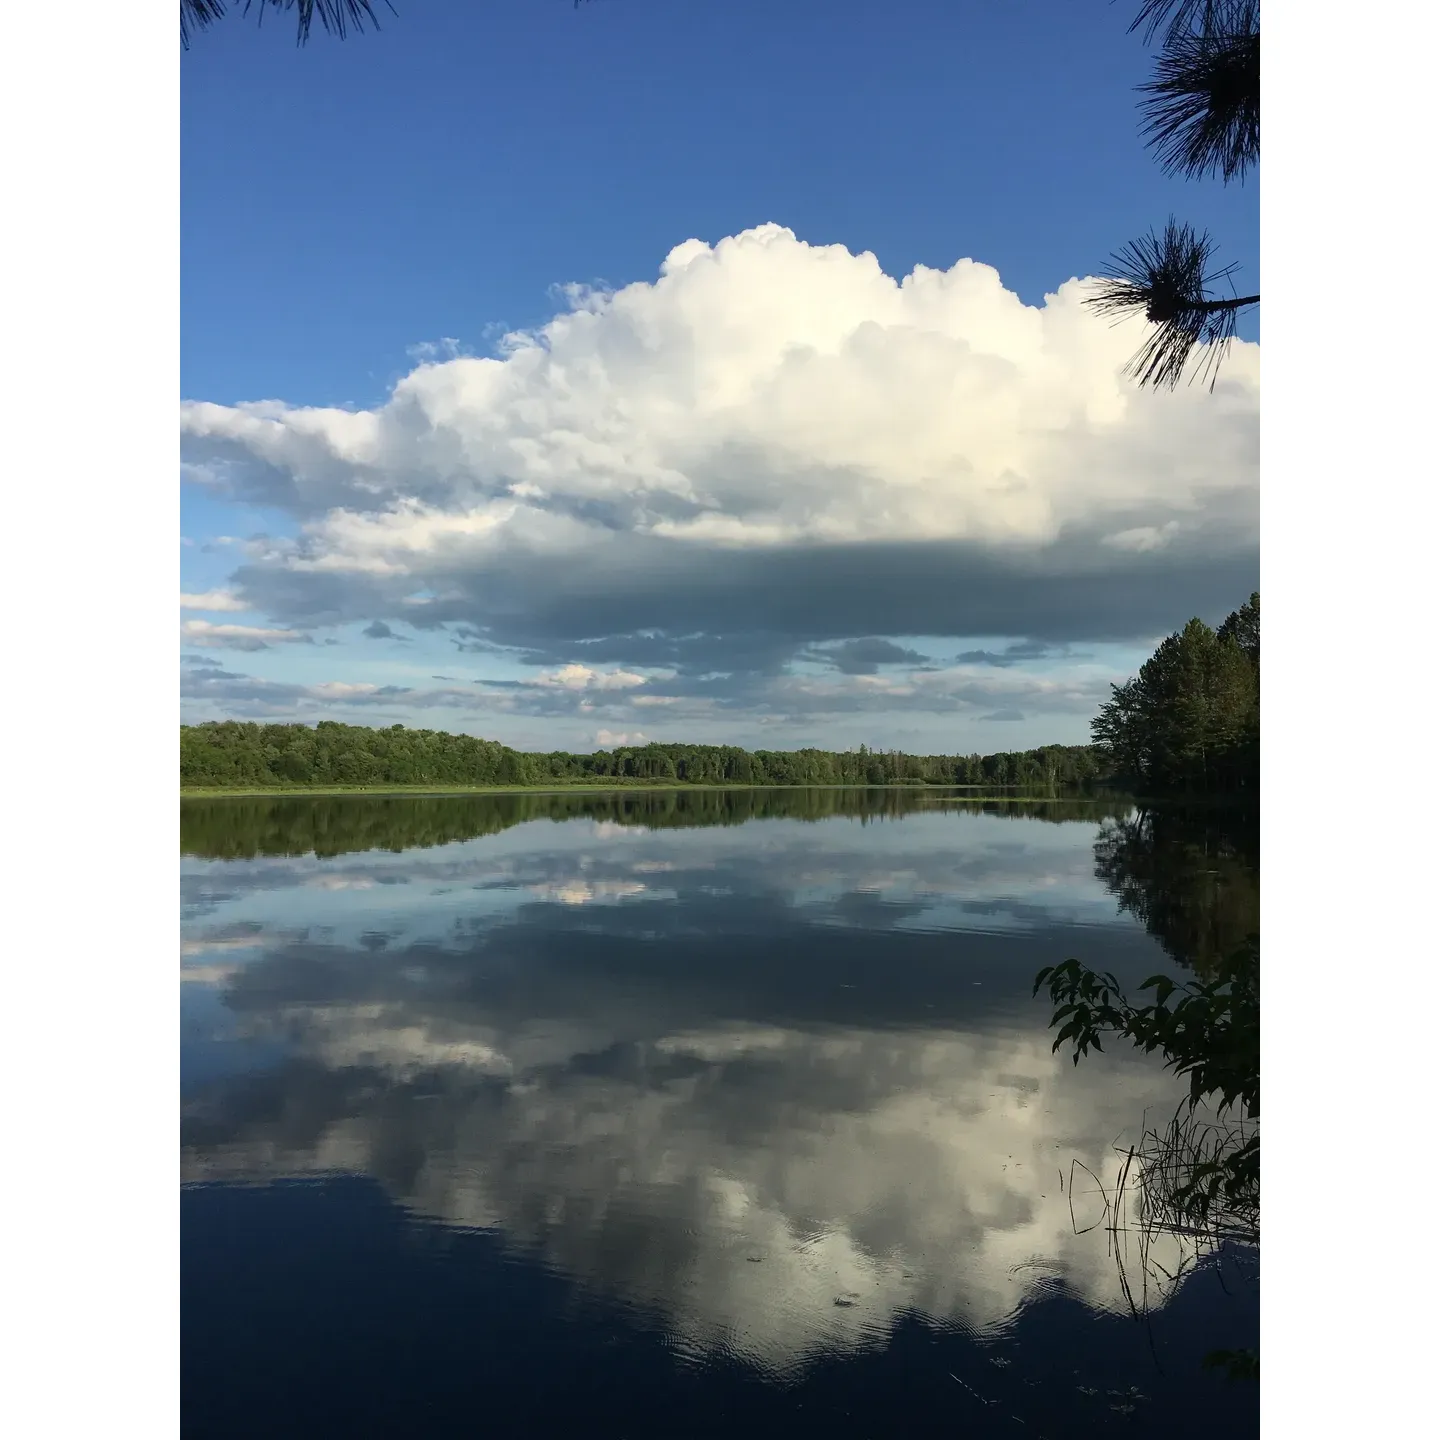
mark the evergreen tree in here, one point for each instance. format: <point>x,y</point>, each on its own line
<point>1190,720</point>
<point>1243,626</point>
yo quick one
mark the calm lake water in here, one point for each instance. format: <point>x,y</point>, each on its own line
<point>667,1114</point>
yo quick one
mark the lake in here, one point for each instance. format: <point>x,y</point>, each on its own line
<point>667,1113</point>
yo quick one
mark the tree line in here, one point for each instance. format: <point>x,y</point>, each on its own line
<point>1189,722</point>
<point>244,755</point>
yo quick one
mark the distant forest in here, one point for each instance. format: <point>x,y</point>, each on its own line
<point>1189,722</point>
<point>234,755</point>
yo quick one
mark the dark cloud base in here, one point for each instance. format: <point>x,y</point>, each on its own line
<point>656,603</point>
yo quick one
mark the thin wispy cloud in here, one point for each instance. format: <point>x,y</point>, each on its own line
<point>224,600</point>
<point>240,637</point>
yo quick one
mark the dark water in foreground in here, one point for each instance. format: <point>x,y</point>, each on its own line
<point>666,1115</point>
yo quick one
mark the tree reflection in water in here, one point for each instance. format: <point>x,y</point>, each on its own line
<point>242,827</point>
<point>1192,879</point>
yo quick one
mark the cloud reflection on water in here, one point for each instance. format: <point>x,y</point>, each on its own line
<point>724,1076</point>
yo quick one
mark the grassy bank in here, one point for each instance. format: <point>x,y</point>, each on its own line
<point>555,787</point>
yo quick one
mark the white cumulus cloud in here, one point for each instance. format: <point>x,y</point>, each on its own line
<point>582,677</point>
<point>608,739</point>
<point>761,391</point>
<point>769,446</point>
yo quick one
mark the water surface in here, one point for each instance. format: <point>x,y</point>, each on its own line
<point>655,1114</point>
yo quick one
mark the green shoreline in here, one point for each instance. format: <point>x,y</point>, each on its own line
<point>973,792</point>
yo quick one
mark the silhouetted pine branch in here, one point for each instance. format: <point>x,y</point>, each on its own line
<point>198,15</point>
<point>1202,109</point>
<point>1172,16</point>
<point>1167,279</point>
<point>1201,117</point>
<point>336,17</point>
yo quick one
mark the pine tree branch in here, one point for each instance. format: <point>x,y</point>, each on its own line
<point>196,15</point>
<point>336,17</point>
<point>1211,306</point>
<point>1172,16</point>
<point>1167,279</point>
<point>1202,109</point>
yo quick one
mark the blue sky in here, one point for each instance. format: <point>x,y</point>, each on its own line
<point>703,506</point>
